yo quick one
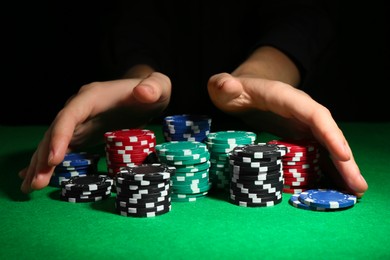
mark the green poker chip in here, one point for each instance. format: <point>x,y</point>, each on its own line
<point>181,148</point>
<point>231,137</point>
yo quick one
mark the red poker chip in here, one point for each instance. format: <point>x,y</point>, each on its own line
<point>130,156</point>
<point>286,186</point>
<point>297,145</point>
<point>302,154</point>
<point>123,152</point>
<point>299,179</point>
<point>301,158</point>
<point>130,135</point>
<point>301,166</point>
<point>294,191</point>
<point>127,144</point>
<point>131,146</point>
<point>123,163</point>
<point>297,183</point>
<point>310,174</point>
<point>287,163</point>
<point>307,170</point>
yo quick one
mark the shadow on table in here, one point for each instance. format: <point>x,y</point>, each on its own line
<point>106,205</point>
<point>10,183</point>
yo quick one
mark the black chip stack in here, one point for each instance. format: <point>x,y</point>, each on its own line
<point>86,188</point>
<point>143,190</point>
<point>256,175</point>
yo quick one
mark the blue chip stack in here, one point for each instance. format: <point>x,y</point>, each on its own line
<point>186,127</point>
<point>74,164</point>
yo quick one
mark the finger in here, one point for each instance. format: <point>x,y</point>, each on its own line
<point>43,169</point>
<point>29,173</point>
<point>22,173</point>
<point>154,88</point>
<point>290,102</point>
<point>351,174</point>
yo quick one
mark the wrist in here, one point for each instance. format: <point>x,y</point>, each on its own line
<point>269,63</point>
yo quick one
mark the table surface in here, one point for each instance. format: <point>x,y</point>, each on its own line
<point>40,226</point>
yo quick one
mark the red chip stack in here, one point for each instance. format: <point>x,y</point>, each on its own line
<point>301,169</point>
<point>128,147</point>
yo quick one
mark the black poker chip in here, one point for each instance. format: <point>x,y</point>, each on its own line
<point>259,151</point>
<point>141,200</point>
<point>253,204</point>
<point>144,190</point>
<point>69,193</point>
<point>148,172</point>
<point>87,183</point>
<point>145,214</point>
<point>84,198</point>
<point>260,177</point>
<point>146,207</point>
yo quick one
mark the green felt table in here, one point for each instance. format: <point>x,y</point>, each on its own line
<point>40,226</point>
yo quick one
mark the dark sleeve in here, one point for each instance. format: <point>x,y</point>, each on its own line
<point>136,34</point>
<point>301,29</point>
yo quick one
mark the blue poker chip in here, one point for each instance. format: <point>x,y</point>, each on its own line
<point>327,198</point>
<point>79,159</point>
<point>187,120</point>
<point>294,201</point>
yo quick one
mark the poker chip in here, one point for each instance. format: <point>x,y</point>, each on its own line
<point>191,160</point>
<point>129,147</point>
<point>231,137</point>
<point>87,183</point>
<point>295,202</point>
<point>259,151</point>
<point>220,144</point>
<point>144,190</point>
<point>327,198</point>
<point>257,204</point>
<point>256,175</point>
<point>186,127</point>
<point>86,188</point>
<point>301,159</point>
<point>74,164</point>
<point>180,148</point>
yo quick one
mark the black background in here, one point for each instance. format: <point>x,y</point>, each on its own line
<point>49,51</point>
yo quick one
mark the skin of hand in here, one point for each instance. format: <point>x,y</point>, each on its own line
<point>261,92</point>
<point>97,107</point>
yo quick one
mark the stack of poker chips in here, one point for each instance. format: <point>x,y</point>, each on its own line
<point>143,190</point>
<point>191,161</point>
<point>86,188</point>
<point>301,170</point>
<point>322,200</point>
<point>220,144</point>
<point>129,147</point>
<point>186,127</point>
<point>74,164</point>
<point>256,175</point>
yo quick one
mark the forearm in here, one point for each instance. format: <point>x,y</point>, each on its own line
<point>269,63</point>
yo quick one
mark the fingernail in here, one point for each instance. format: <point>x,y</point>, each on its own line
<point>363,180</point>
<point>23,187</point>
<point>358,184</point>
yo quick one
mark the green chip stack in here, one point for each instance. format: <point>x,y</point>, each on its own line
<point>220,144</point>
